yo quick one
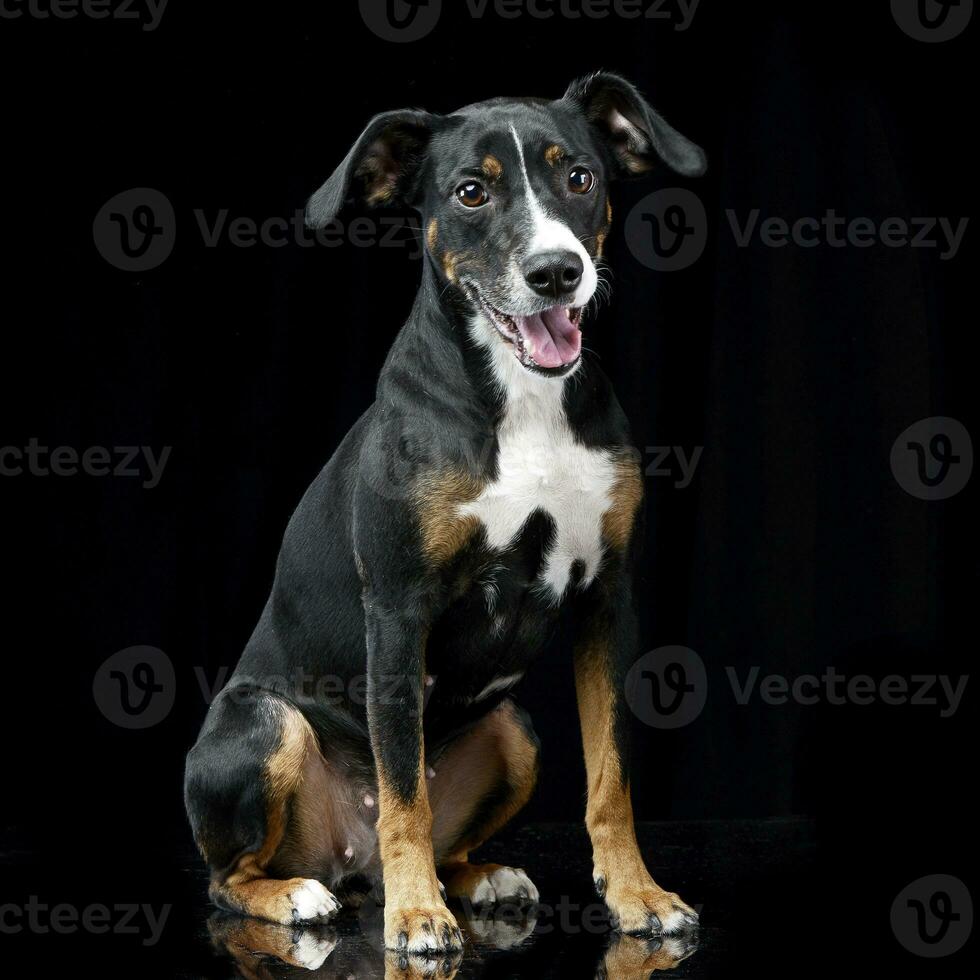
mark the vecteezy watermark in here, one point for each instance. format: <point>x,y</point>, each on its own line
<point>120,461</point>
<point>667,230</point>
<point>412,20</point>
<point>932,21</point>
<point>401,21</point>
<point>136,687</point>
<point>663,458</point>
<point>388,231</point>
<point>837,231</point>
<point>64,919</point>
<point>919,690</point>
<point>136,230</point>
<point>933,916</point>
<point>146,13</point>
<point>668,688</point>
<point>933,458</point>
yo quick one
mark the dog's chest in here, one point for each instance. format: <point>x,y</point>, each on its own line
<point>541,467</point>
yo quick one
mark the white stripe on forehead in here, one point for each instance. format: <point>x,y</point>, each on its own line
<point>549,234</point>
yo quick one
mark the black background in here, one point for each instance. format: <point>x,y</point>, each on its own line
<point>793,549</point>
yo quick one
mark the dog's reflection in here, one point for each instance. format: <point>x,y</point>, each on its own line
<point>634,958</point>
<point>265,951</point>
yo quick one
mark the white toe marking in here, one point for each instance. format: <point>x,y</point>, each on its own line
<point>483,893</point>
<point>423,942</point>
<point>312,901</point>
<point>509,882</point>
<point>311,951</point>
<point>674,922</point>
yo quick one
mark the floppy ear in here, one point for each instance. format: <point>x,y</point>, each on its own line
<point>637,135</point>
<point>381,167</point>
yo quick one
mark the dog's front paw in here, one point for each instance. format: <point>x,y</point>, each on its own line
<point>308,901</point>
<point>422,931</point>
<point>645,909</point>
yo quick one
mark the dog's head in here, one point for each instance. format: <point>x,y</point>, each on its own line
<point>513,195</point>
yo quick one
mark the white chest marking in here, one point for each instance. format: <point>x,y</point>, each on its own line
<point>541,467</point>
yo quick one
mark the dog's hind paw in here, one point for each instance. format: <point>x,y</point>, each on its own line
<point>489,884</point>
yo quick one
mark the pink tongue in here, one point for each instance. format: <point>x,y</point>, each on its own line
<point>550,337</point>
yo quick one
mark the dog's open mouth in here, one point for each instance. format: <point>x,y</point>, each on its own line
<point>551,340</point>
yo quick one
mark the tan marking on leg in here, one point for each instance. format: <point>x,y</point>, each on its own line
<point>492,168</point>
<point>437,499</point>
<point>432,234</point>
<point>248,888</point>
<point>619,870</point>
<point>554,155</point>
<point>416,917</point>
<point>626,496</point>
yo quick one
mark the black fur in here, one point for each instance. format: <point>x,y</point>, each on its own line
<point>353,595</point>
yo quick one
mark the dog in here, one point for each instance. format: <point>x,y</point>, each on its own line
<point>490,488</point>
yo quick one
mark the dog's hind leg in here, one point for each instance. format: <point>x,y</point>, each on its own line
<point>241,784</point>
<point>481,781</point>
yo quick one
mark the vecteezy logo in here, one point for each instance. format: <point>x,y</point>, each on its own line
<point>135,230</point>
<point>932,20</point>
<point>136,687</point>
<point>667,687</point>
<point>933,458</point>
<point>667,229</point>
<point>401,21</point>
<point>933,916</point>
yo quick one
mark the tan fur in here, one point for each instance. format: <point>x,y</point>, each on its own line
<point>437,498</point>
<point>627,495</point>
<point>432,234</point>
<point>248,888</point>
<point>381,183</point>
<point>631,958</point>
<point>554,155</point>
<point>631,894</point>
<point>449,262</point>
<point>498,749</point>
<point>413,904</point>
<point>492,168</point>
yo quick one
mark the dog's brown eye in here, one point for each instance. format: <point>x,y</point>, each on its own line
<point>472,194</point>
<point>581,180</point>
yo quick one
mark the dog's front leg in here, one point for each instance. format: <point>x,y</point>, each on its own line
<point>416,917</point>
<point>607,640</point>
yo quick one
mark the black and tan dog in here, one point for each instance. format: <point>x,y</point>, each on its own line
<point>367,732</point>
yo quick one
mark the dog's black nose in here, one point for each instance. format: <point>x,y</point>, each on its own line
<point>553,274</point>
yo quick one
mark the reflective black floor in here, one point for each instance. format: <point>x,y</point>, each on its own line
<point>767,908</point>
